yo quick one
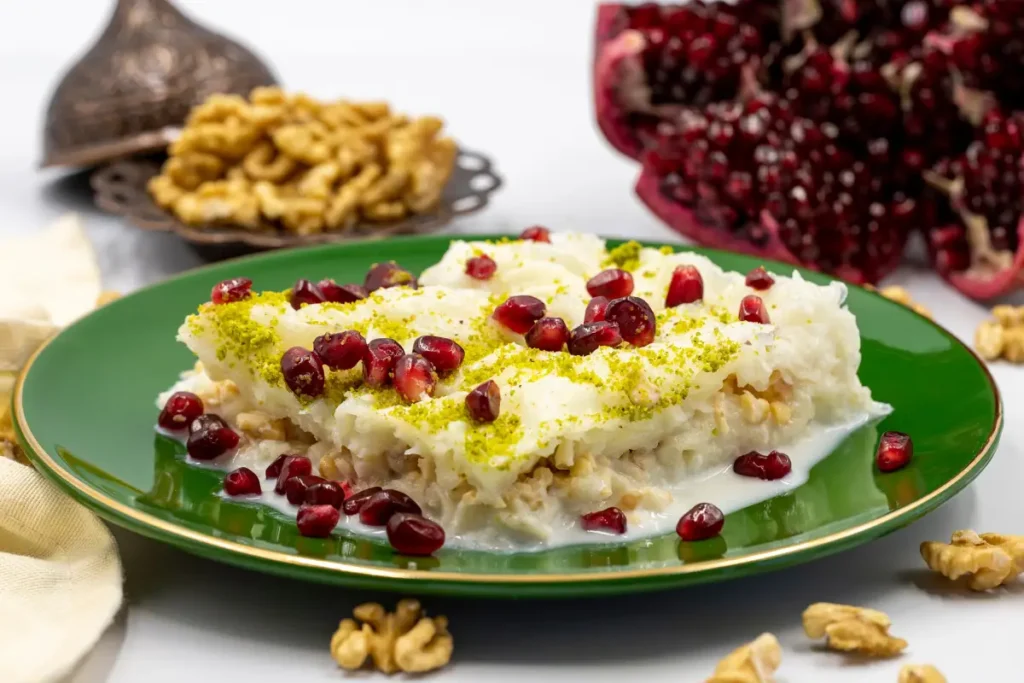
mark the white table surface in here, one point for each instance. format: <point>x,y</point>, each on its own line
<point>512,80</point>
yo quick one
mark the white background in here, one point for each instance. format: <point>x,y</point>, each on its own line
<point>513,80</point>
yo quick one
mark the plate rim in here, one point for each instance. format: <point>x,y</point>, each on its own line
<point>277,561</point>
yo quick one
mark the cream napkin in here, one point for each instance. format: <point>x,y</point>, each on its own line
<point>60,576</point>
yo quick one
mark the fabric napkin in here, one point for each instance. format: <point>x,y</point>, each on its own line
<point>60,575</point>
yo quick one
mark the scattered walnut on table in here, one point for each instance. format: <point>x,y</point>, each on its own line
<point>755,662</point>
<point>901,296</point>
<point>852,629</point>
<point>1002,336</point>
<point>920,673</point>
<point>404,640</point>
<point>989,560</point>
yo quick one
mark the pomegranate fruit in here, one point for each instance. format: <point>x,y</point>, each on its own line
<point>895,449</point>
<point>774,465</point>
<point>354,503</point>
<point>180,410</point>
<point>596,310</point>
<point>412,534</point>
<point>612,283</point>
<point>340,350</point>
<point>536,233</point>
<point>610,520</point>
<point>303,371</point>
<point>210,437</point>
<point>305,293</point>
<point>484,402</point>
<point>816,133</point>
<point>634,318</point>
<point>548,334</point>
<point>700,522</point>
<point>519,313</point>
<point>481,267</point>
<point>378,508</point>
<point>415,377</point>
<point>242,482</point>
<point>317,521</point>
<point>685,287</point>
<point>379,361</point>
<point>341,294</point>
<point>586,338</point>
<point>390,274</point>
<point>445,354</point>
<point>228,291</point>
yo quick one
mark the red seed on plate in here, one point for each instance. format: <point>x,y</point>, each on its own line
<point>180,410</point>
<point>340,350</point>
<point>481,267</point>
<point>274,469</point>
<point>701,522</point>
<point>317,521</point>
<point>415,377</point>
<point>685,287</point>
<point>411,534</point>
<point>586,338</point>
<point>228,291</point>
<point>753,310</point>
<point>242,482</point>
<point>295,466</point>
<point>326,492</point>
<point>774,465</point>
<point>484,402</point>
<point>379,507</point>
<point>303,371</point>
<point>596,310</point>
<point>379,361</point>
<point>354,503</point>
<point>390,274</point>
<point>341,294</point>
<point>613,283</point>
<point>895,449</point>
<point>759,279</point>
<point>295,487</point>
<point>519,313</point>
<point>536,234</point>
<point>305,293</point>
<point>548,334</point>
<point>634,318</point>
<point>611,520</point>
<point>444,353</point>
<point>210,437</point>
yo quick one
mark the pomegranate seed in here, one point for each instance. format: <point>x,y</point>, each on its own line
<point>753,310</point>
<point>634,318</point>
<point>179,411</point>
<point>235,289</point>
<point>295,487</point>
<point>442,352</point>
<point>759,279</point>
<point>701,522</point>
<point>326,492</point>
<point>536,234</point>
<point>303,371</point>
<point>610,519</point>
<point>390,274</point>
<point>346,489</point>
<point>612,283</point>
<point>481,267</point>
<point>414,534</point>
<point>354,503</point>
<point>341,294</point>
<point>895,449</point>
<point>305,293</point>
<point>295,466</point>
<point>484,402</point>
<point>317,521</point>
<point>686,287</point>
<point>274,469</point>
<point>415,377</point>
<point>596,310</point>
<point>340,350</point>
<point>242,482</point>
<point>210,437</point>
<point>519,313</point>
<point>548,334</point>
<point>379,361</point>
<point>769,467</point>
<point>379,507</point>
<point>585,338</point>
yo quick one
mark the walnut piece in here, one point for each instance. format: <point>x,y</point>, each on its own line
<point>902,296</point>
<point>404,640</point>
<point>989,560</point>
<point>1002,336</point>
<point>920,673</point>
<point>754,662</point>
<point>852,629</point>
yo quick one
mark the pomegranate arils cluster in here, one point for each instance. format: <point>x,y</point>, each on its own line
<point>771,466</point>
<point>588,337</point>
<point>210,437</point>
<point>293,466</point>
<point>305,293</point>
<point>378,508</point>
<point>379,361</point>
<point>341,294</point>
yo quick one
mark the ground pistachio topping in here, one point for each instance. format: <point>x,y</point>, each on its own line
<point>625,256</point>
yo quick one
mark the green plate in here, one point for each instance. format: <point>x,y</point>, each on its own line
<point>85,413</point>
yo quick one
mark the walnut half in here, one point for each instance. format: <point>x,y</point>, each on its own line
<point>754,662</point>
<point>920,673</point>
<point>852,629</point>
<point>404,640</point>
<point>990,560</point>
